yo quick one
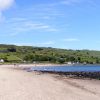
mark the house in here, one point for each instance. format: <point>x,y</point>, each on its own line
<point>1,61</point>
<point>69,63</point>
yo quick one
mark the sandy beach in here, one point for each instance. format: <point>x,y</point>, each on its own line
<point>22,85</point>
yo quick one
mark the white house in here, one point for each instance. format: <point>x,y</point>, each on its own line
<point>1,61</point>
<point>69,63</point>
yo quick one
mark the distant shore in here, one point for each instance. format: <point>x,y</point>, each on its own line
<point>19,65</point>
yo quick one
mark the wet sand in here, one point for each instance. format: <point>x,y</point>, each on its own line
<point>22,85</point>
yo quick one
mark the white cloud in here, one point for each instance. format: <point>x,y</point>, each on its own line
<point>5,4</point>
<point>46,43</point>
<point>71,40</point>
<point>46,17</point>
<point>21,25</point>
<point>23,44</point>
<point>36,25</point>
<point>1,17</point>
<point>17,19</point>
<point>72,2</point>
<point>69,2</point>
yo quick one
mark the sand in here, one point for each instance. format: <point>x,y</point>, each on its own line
<point>22,85</point>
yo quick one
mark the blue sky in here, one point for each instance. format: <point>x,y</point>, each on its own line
<point>69,24</point>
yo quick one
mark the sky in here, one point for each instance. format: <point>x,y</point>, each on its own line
<point>67,24</point>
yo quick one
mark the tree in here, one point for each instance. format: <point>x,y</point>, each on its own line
<point>61,60</point>
<point>12,49</point>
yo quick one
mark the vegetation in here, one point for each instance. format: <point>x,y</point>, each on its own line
<point>12,53</point>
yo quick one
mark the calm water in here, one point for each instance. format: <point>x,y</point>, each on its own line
<point>86,68</point>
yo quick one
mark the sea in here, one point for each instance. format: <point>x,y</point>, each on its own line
<point>66,68</point>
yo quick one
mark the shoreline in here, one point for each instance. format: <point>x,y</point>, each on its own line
<point>18,84</point>
<point>76,74</point>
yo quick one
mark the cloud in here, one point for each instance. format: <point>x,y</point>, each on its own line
<point>5,4</point>
<point>46,11</point>
<point>21,25</point>
<point>23,44</point>
<point>28,26</point>
<point>70,2</point>
<point>71,40</point>
<point>18,19</point>
<point>1,17</point>
<point>48,43</point>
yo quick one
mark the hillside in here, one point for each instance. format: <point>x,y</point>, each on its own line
<point>13,53</point>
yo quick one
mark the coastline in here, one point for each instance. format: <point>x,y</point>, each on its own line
<point>22,85</point>
<point>70,74</point>
<point>22,66</point>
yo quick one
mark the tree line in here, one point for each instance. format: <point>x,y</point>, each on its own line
<point>13,53</point>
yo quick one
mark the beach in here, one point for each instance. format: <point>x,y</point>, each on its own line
<point>17,84</point>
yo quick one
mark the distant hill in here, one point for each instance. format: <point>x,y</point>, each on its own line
<point>13,53</point>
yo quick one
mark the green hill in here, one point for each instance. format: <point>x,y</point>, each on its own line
<point>13,53</point>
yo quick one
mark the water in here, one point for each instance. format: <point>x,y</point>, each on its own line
<point>84,68</point>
